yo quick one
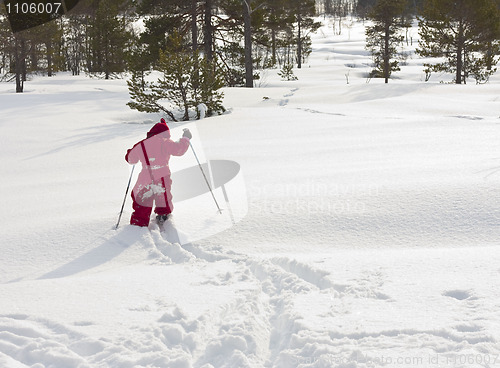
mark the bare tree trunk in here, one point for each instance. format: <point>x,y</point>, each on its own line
<point>48,45</point>
<point>458,77</point>
<point>273,40</point>
<point>33,58</point>
<point>299,43</point>
<point>106,60</point>
<point>386,54</point>
<point>19,60</point>
<point>208,31</point>
<point>489,56</point>
<point>273,46</point>
<point>248,44</point>
<point>194,26</point>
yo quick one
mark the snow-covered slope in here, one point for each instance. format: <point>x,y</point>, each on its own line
<point>371,237</point>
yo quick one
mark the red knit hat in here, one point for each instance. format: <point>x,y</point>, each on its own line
<point>158,128</point>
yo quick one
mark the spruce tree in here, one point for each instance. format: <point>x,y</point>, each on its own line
<point>464,33</point>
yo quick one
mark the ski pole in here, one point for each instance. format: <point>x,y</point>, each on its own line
<point>124,199</point>
<point>206,180</point>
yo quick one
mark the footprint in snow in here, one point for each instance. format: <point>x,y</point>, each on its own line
<point>459,294</point>
<point>468,328</point>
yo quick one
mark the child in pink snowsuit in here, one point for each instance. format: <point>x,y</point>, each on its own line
<point>154,184</point>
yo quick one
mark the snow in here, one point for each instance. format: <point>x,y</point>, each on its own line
<point>365,228</point>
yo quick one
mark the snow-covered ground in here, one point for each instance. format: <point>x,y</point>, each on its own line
<point>371,238</point>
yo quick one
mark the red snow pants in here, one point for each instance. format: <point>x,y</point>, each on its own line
<point>144,198</point>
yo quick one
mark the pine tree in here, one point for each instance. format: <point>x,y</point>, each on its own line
<point>6,39</point>
<point>236,34</point>
<point>247,21</point>
<point>286,73</point>
<point>206,84</point>
<point>46,54</point>
<point>464,33</point>
<point>108,39</point>
<point>21,50</point>
<point>278,22</point>
<point>385,35</point>
<point>162,19</point>
<point>143,96</point>
<point>74,42</point>
<point>493,48</point>
<point>187,80</point>
<point>252,21</point>
<point>303,12</point>
<point>364,7</point>
<point>175,84</point>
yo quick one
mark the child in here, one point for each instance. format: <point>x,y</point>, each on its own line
<point>154,183</point>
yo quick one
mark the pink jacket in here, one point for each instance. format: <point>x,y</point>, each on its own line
<point>154,154</point>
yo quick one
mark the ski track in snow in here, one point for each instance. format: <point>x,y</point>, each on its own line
<point>237,335</point>
<point>261,327</point>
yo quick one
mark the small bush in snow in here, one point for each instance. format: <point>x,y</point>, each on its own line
<point>286,73</point>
